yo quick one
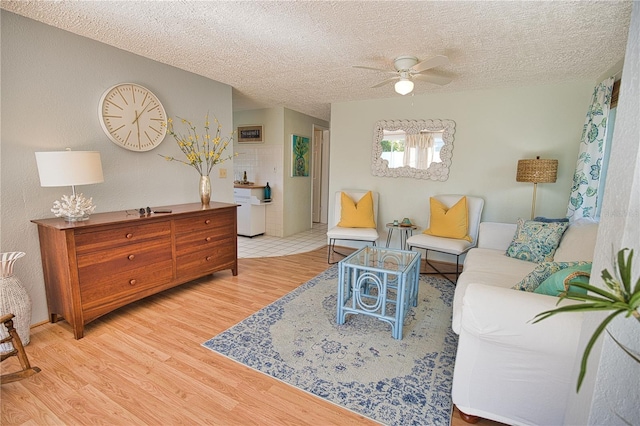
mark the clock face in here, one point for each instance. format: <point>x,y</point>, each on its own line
<point>132,117</point>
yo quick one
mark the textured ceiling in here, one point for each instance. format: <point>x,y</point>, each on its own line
<point>300,54</point>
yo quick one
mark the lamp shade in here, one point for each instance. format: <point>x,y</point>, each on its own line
<point>69,168</point>
<point>404,86</point>
<point>537,171</point>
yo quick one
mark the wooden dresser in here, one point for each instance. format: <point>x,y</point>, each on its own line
<point>93,267</point>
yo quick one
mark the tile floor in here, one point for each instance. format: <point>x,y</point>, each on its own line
<point>268,246</point>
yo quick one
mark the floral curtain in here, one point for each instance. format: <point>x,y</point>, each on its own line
<point>586,179</point>
<point>418,150</point>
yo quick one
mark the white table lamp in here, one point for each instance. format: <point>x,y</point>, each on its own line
<point>70,168</point>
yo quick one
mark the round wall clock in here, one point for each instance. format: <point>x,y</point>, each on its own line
<point>132,117</point>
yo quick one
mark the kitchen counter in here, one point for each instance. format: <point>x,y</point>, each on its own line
<point>247,185</point>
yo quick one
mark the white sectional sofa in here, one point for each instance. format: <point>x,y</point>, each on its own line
<point>508,369</point>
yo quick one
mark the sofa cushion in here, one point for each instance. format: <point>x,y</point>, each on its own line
<point>543,271</point>
<point>357,215</point>
<point>555,284</point>
<point>489,267</point>
<point>536,241</point>
<point>578,242</point>
<point>449,222</point>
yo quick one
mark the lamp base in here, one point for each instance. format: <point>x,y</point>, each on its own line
<point>76,218</point>
<point>74,208</point>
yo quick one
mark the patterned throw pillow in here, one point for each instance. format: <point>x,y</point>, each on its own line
<point>556,283</point>
<point>536,241</point>
<point>543,271</point>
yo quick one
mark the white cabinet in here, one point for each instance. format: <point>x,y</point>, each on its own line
<point>251,210</point>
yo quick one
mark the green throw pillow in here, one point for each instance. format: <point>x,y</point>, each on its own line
<point>543,271</point>
<point>536,241</point>
<point>554,285</point>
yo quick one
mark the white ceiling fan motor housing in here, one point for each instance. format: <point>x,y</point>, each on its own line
<point>404,63</point>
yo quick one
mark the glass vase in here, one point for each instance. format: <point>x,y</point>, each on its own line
<point>14,299</point>
<point>205,190</point>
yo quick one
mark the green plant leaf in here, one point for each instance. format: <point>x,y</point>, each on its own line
<point>598,290</point>
<point>583,307</point>
<point>629,352</point>
<point>608,279</point>
<point>634,301</point>
<point>585,297</point>
<point>592,341</point>
<point>624,266</point>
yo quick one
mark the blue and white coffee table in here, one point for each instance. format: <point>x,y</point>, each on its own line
<point>379,282</point>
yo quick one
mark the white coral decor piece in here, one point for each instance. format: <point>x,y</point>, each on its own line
<point>73,206</point>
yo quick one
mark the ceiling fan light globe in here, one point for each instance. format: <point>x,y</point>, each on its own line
<point>404,87</point>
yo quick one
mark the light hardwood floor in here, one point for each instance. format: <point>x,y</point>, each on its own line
<point>144,363</point>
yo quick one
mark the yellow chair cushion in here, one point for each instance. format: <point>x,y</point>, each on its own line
<point>449,222</point>
<point>357,215</point>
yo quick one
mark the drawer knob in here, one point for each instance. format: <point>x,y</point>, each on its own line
<point>131,257</point>
<point>129,235</point>
<point>132,282</point>
<point>208,258</point>
<point>208,239</point>
<point>208,221</point>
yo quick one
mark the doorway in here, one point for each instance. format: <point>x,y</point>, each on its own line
<point>320,175</point>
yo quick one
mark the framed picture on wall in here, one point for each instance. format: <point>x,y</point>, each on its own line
<point>299,156</point>
<point>250,134</point>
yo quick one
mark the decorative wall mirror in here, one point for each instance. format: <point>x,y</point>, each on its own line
<point>420,149</point>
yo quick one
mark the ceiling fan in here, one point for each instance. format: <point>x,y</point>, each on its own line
<point>409,68</point>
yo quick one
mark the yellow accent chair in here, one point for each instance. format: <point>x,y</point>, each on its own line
<point>354,218</point>
<point>445,230</point>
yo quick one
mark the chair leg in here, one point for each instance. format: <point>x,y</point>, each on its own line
<point>332,249</point>
<point>437,271</point>
<point>18,350</point>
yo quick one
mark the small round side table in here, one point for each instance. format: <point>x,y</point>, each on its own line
<point>405,233</point>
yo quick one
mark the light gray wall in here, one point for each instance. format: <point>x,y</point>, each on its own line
<point>610,388</point>
<point>52,82</point>
<point>271,119</point>
<point>494,129</point>
<point>297,190</point>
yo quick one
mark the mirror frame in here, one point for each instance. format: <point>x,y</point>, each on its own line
<point>435,171</point>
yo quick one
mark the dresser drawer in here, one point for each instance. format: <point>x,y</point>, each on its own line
<point>88,240</point>
<point>109,288</point>
<point>105,262</point>
<point>209,258</point>
<point>201,240</point>
<point>214,220</point>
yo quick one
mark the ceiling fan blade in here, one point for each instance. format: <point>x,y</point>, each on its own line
<point>436,61</point>
<point>387,81</point>
<point>432,78</point>
<point>373,69</point>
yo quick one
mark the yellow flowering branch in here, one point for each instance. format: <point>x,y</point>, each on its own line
<point>201,152</point>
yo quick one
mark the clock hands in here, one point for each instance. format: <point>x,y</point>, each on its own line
<point>135,120</point>
<point>138,125</point>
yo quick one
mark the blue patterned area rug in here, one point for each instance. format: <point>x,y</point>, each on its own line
<point>357,365</point>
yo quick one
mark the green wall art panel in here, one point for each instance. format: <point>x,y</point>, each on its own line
<point>300,154</point>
